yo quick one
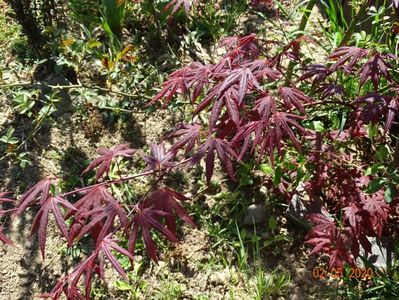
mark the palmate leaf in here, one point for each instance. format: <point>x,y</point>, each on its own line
<point>321,223</point>
<point>329,90</point>
<point>145,219</point>
<point>96,214</point>
<point>334,243</point>
<point>245,80</point>
<point>378,210</point>
<point>239,48</point>
<point>352,214</point>
<point>294,98</point>
<point>318,71</point>
<point>262,68</point>
<point>159,158</point>
<point>375,68</point>
<point>195,76</point>
<point>224,151</point>
<point>41,220</point>
<point>346,57</point>
<point>93,264</point>
<point>68,285</point>
<point>161,205</point>
<point>372,107</point>
<point>106,157</point>
<point>265,106</point>
<point>234,86</point>
<point>108,244</point>
<point>168,200</point>
<point>283,123</point>
<point>30,196</point>
<point>269,134</point>
<point>91,211</point>
<point>189,136</point>
<point>229,93</point>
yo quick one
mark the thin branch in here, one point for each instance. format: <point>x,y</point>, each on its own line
<point>72,86</point>
<point>121,179</point>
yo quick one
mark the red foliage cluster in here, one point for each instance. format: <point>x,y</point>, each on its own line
<point>98,214</point>
<point>252,111</point>
<point>247,118</point>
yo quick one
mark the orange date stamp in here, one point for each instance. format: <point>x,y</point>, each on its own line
<point>338,273</point>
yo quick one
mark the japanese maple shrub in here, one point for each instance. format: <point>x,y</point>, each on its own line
<point>254,109</point>
<point>248,107</point>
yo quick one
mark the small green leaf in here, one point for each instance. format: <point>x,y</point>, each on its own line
<point>375,185</point>
<point>372,131</point>
<point>272,223</point>
<point>382,153</point>
<point>266,169</point>
<point>390,193</point>
<point>278,174</point>
<point>318,126</point>
<point>123,285</point>
<point>92,43</point>
<point>246,180</point>
<point>374,169</point>
<point>10,132</point>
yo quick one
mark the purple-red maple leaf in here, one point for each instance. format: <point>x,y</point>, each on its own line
<point>262,68</point>
<point>240,47</point>
<point>320,72</point>
<point>189,135</point>
<point>352,214</point>
<point>265,106</point>
<point>107,244</point>
<point>94,263</point>
<point>378,210</point>
<point>41,220</point>
<point>159,159</point>
<point>160,205</point>
<point>294,98</point>
<point>30,196</point>
<point>347,54</point>
<point>106,157</point>
<point>96,214</point>
<point>224,152</point>
<point>375,68</point>
<point>335,243</point>
<point>169,201</point>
